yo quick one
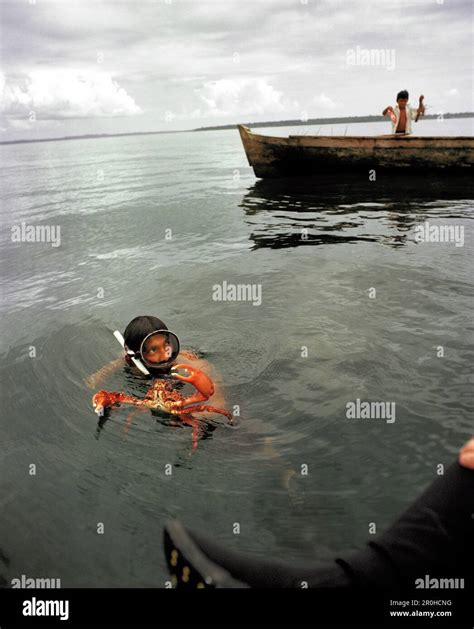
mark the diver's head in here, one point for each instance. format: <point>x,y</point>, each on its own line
<point>146,336</point>
<point>139,328</point>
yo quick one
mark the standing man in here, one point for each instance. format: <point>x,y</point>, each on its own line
<point>403,114</point>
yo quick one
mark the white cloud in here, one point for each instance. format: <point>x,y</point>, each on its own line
<point>165,56</point>
<point>241,96</point>
<point>62,93</point>
<point>453,92</point>
<point>325,102</point>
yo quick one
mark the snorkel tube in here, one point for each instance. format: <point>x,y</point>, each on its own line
<point>131,353</point>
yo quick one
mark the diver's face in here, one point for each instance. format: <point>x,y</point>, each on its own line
<point>157,349</point>
<point>402,103</point>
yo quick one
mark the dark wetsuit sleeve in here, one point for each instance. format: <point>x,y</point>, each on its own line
<point>262,573</point>
<point>433,536</point>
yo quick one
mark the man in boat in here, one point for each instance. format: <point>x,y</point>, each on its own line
<point>403,114</point>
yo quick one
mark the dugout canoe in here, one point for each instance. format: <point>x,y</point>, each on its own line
<point>302,155</point>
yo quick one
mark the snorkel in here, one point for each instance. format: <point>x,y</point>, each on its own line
<point>118,335</point>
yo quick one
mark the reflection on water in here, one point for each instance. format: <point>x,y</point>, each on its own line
<point>296,212</point>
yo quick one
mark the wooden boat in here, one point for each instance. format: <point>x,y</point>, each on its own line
<point>304,155</point>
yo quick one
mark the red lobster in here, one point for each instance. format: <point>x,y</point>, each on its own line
<point>162,396</point>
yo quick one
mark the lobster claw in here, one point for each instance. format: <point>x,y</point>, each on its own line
<point>197,378</point>
<point>100,401</point>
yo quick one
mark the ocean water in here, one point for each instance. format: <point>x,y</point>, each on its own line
<point>352,307</point>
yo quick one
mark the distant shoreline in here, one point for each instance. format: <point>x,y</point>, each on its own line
<point>323,121</point>
<point>277,123</point>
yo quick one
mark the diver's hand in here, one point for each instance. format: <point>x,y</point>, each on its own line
<point>466,455</point>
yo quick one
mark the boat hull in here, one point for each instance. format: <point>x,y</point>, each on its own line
<point>301,155</point>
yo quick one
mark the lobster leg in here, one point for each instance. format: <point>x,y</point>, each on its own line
<point>195,425</point>
<point>130,417</point>
<point>106,399</point>
<point>203,408</point>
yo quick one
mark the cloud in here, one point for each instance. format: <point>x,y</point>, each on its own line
<point>325,102</point>
<point>241,96</point>
<point>453,92</point>
<point>184,61</point>
<point>60,93</point>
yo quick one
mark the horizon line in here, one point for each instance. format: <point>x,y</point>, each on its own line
<point>269,123</point>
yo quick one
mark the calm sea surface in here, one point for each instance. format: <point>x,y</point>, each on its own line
<point>316,342</point>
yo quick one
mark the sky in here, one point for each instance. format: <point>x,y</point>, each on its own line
<point>90,66</point>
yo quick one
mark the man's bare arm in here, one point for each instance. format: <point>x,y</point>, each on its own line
<point>93,380</point>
